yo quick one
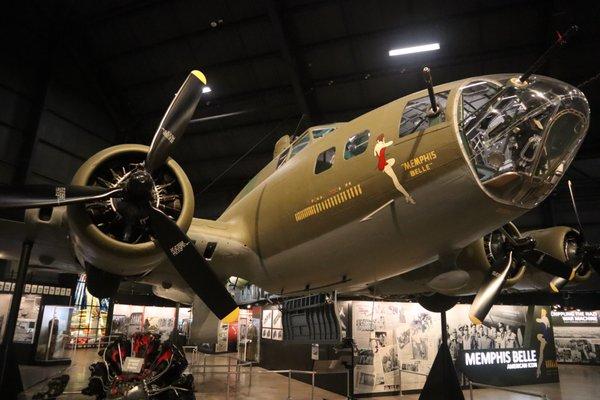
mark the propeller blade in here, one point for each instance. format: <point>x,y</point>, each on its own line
<point>192,267</point>
<point>557,283</point>
<point>36,196</point>
<point>489,291</point>
<point>175,120</point>
<point>547,263</point>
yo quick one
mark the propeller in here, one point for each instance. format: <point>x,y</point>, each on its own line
<point>175,120</point>
<point>587,256</point>
<point>180,249</point>
<point>137,191</point>
<point>521,249</point>
<point>37,196</point>
<point>489,291</point>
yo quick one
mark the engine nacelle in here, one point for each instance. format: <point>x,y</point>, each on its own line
<point>560,242</point>
<point>478,257</point>
<point>101,237</point>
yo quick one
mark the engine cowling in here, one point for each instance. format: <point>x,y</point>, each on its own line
<point>101,236</point>
<point>478,257</point>
<point>561,242</point>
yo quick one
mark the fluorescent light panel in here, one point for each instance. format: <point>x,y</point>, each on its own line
<point>414,49</point>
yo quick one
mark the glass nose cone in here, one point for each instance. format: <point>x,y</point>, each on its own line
<point>521,138</point>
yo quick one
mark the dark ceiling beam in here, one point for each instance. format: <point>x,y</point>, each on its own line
<point>228,24</point>
<point>237,97</point>
<point>206,69</point>
<point>295,69</point>
<point>342,39</point>
<point>184,36</point>
<point>442,62</point>
<point>102,86</point>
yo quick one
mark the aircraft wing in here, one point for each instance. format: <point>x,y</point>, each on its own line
<point>222,245</point>
<point>51,245</point>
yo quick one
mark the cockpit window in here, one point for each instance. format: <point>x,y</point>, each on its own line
<point>319,133</point>
<point>415,118</point>
<point>299,144</point>
<point>282,157</point>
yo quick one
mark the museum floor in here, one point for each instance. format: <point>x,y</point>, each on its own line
<point>577,383</point>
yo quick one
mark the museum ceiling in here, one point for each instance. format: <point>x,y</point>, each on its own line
<point>270,62</point>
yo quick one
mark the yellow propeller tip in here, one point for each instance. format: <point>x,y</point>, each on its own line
<point>553,287</point>
<point>474,320</point>
<point>232,317</point>
<point>200,76</point>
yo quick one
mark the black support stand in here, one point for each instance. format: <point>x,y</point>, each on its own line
<point>175,333</point>
<point>442,382</point>
<point>10,377</point>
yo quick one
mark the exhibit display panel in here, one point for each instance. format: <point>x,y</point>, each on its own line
<point>4,307</point>
<point>272,324</point>
<point>129,319</point>
<point>514,345</point>
<point>391,337</point>
<point>577,336</point>
<point>27,318</point>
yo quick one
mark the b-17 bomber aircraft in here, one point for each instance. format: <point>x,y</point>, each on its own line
<point>414,197</point>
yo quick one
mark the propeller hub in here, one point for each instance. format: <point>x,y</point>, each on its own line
<point>139,187</point>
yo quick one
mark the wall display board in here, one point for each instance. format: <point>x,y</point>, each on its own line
<point>129,319</point>
<point>4,308</point>
<point>391,337</point>
<point>577,336</point>
<point>27,320</point>
<point>513,346</point>
<point>222,337</point>
<point>267,323</point>
<point>272,324</point>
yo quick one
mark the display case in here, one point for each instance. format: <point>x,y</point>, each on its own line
<point>53,339</point>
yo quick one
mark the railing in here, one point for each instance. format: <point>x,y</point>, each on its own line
<point>195,364</point>
<point>198,366</point>
<point>543,396</point>
<point>506,389</point>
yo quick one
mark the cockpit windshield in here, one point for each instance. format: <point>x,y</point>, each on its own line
<point>521,139</point>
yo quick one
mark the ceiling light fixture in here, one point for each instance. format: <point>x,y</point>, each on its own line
<point>414,49</point>
<point>206,89</point>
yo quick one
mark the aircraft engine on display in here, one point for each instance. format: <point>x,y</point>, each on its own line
<point>561,242</point>
<point>129,208</point>
<point>108,237</point>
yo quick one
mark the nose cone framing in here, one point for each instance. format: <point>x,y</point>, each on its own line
<point>520,139</point>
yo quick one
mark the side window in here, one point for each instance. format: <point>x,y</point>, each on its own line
<point>319,133</point>
<point>282,157</point>
<point>414,117</point>
<point>325,160</point>
<point>299,144</point>
<point>357,144</point>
